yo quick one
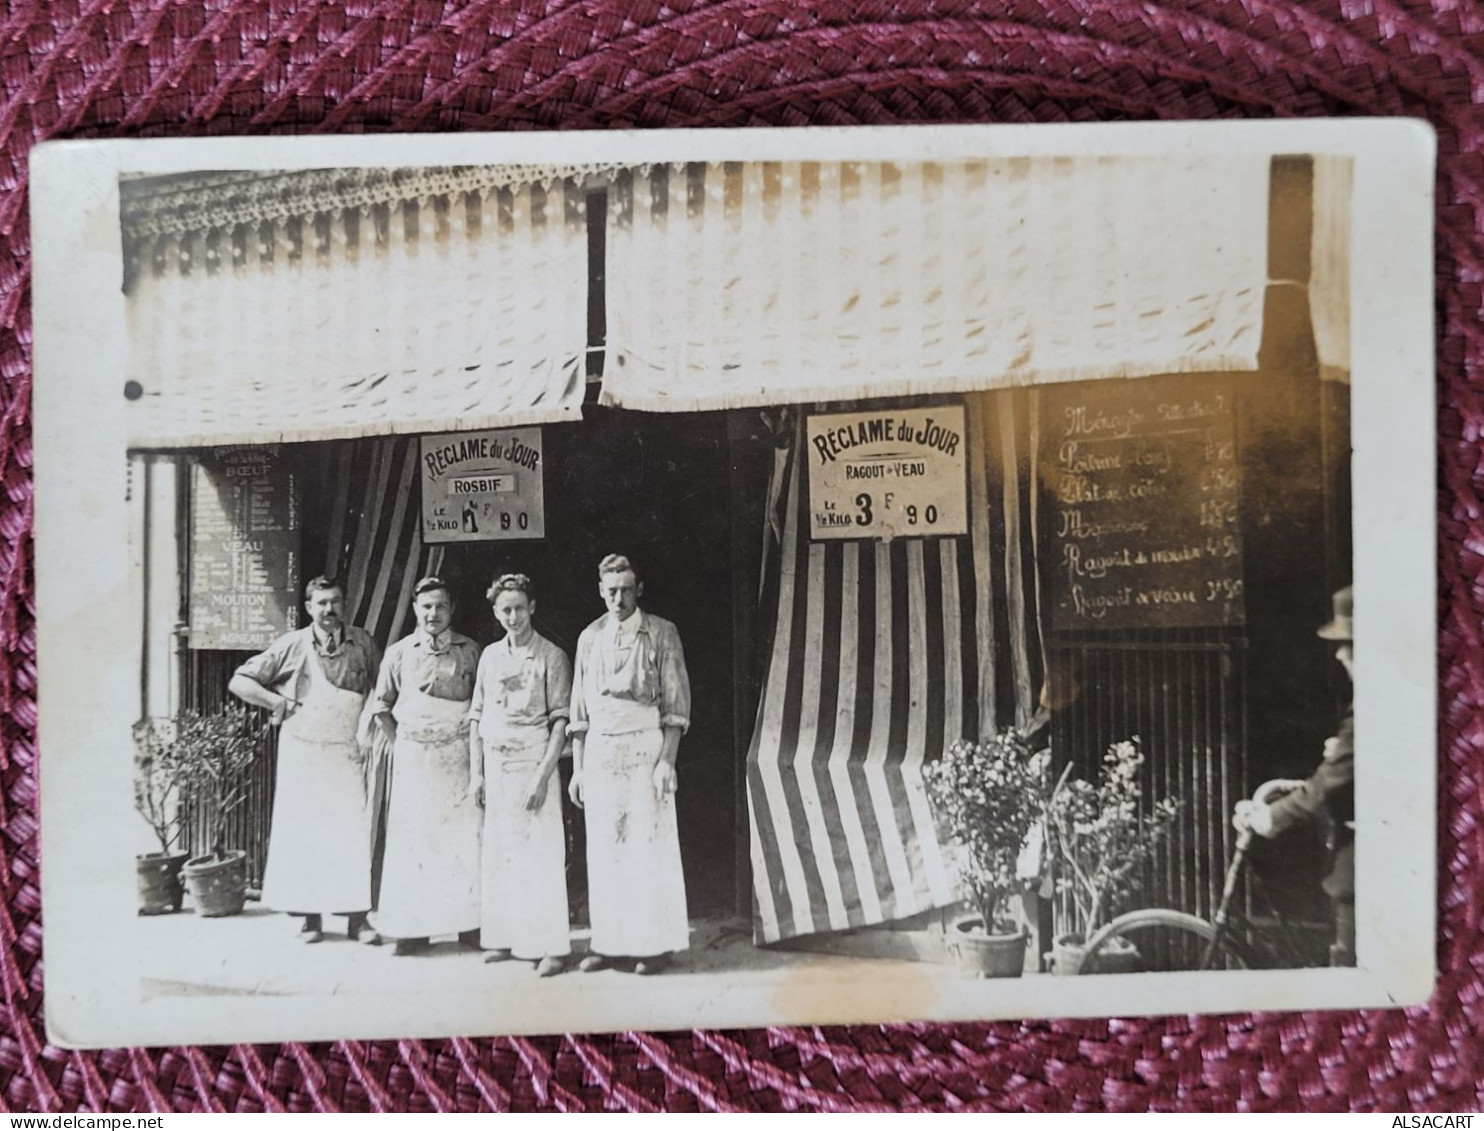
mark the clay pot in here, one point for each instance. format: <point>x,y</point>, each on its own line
<point>217,883</point>
<point>987,955</point>
<point>1117,956</point>
<point>157,877</point>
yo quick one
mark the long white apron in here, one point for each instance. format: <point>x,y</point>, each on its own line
<point>636,887</point>
<point>523,868</point>
<point>319,845</point>
<point>430,868</point>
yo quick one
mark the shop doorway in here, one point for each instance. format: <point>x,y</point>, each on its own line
<point>656,488</point>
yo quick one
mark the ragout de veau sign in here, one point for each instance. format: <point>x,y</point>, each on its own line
<point>892,473</point>
<point>483,486</point>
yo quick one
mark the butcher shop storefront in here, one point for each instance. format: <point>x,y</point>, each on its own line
<point>889,495</point>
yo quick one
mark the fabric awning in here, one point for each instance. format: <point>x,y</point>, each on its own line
<point>1329,266</point>
<point>450,308</point>
<point>732,285</point>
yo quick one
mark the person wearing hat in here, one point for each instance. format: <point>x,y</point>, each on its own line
<point>1329,790</point>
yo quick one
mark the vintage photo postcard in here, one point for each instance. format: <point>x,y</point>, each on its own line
<point>515,584</point>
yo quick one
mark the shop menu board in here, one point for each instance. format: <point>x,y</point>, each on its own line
<point>483,486</point>
<point>245,531</point>
<point>1144,532</point>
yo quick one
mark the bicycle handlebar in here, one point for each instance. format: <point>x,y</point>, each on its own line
<point>1277,787</point>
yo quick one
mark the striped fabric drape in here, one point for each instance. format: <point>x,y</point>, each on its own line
<point>883,654</point>
<point>745,284</point>
<point>374,542</point>
<point>374,545</point>
<point>438,312</point>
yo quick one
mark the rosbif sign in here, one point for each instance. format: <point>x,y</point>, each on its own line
<point>483,486</point>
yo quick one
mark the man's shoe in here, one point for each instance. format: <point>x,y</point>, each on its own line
<point>654,965</point>
<point>594,962</point>
<point>368,935</point>
<point>501,954</point>
<point>551,965</point>
<point>311,936</point>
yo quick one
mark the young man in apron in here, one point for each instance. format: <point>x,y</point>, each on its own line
<point>517,729</point>
<point>630,705</point>
<point>430,867</point>
<point>315,682</point>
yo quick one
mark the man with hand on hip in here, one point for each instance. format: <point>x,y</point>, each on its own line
<point>315,681</point>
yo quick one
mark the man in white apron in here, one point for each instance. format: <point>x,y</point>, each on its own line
<point>517,728</point>
<point>630,705</point>
<point>315,682</point>
<point>430,866</point>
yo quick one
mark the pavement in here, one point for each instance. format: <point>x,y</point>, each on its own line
<point>259,953</point>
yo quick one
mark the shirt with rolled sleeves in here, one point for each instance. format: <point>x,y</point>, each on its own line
<point>443,669</point>
<point>629,677</point>
<point>521,687</point>
<point>350,660</point>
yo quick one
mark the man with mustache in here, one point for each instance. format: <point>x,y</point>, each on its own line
<point>315,681</point>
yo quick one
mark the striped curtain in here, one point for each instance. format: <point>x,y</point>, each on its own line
<point>440,312</point>
<point>746,284</point>
<point>374,543</point>
<point>374,546</point>
<point>883,654</point>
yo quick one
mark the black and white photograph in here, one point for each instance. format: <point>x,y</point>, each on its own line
<point>541,584</point>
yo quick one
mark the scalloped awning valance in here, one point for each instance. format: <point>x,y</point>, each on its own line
<point>353,303</point>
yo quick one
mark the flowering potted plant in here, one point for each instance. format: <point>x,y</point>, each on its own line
<point>158,780</point>
<point>1100,841</point>
<point>987,797</point>
<point>212,754</point>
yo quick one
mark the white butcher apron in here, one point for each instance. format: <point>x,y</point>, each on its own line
<point>430,868</point>
<point>523,868</point>
<point>636,886</point>
<point>319,844</point>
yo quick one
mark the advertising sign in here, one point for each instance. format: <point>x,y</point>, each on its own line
<point>483,486</point>
<point>888,473</point>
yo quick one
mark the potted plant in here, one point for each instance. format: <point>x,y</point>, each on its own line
<point>158,781</point>
<point>987,797</point>
<point>215,752</point>
<point>1100,841</point>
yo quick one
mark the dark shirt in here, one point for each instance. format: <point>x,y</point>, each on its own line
<point>1331,788</point>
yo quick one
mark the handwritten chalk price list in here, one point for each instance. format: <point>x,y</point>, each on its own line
<point>245,531</point>
<point>1145,529</point>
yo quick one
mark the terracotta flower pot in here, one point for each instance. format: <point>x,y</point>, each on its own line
<point>1118,956</point>
<point>157,877</point>
<point>987,955</point>
<point>218,884</point>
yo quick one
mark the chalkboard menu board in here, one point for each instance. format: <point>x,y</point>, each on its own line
<point>1144,532</point>
<point>244,548</point>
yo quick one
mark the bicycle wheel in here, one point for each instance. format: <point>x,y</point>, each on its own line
<point>1163,940</point>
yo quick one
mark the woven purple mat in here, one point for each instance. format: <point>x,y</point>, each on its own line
<point>157,68</point>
